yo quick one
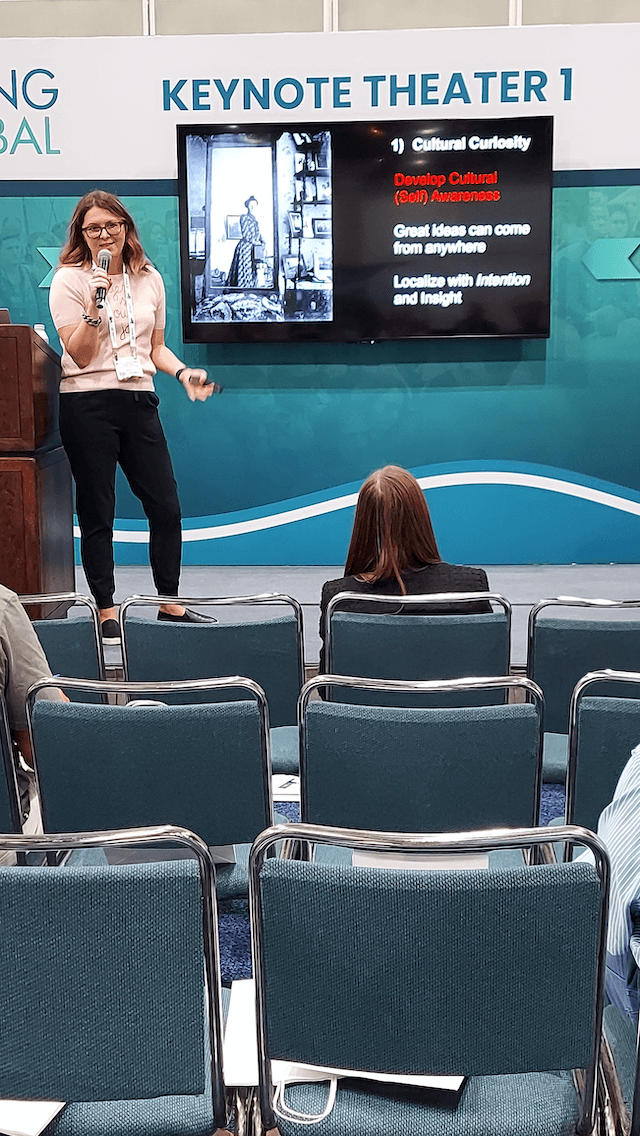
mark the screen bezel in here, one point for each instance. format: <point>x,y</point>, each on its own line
<point>327,331</point>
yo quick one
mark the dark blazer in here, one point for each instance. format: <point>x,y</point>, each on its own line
<point>419,581</point>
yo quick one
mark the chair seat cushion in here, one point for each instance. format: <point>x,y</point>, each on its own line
<point>164,1116</point>
<point>161,1116</point>
<point>232,880</point>
<point>554,758</point>
<point>332,854</point>
<point>285,754</point>
<point>527,1104</point>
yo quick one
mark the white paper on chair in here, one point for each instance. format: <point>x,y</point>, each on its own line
<point>286,1071</point>
<point>27,1118</point>
<point>285,787</point>
<point>240,1053</point>
<point>420,860</point>
<point>240,1047</point>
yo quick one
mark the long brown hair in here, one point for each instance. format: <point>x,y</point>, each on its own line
<point>392,528</point>
<point>76,251</point>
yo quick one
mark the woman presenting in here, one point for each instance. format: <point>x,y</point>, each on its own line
<point>108,407</point>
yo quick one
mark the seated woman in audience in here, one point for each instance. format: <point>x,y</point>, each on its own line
<point>393,551</point>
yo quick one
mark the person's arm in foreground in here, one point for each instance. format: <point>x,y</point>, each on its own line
<point>22,662</point>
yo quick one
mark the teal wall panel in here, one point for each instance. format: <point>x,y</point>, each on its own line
<point>298,425</point>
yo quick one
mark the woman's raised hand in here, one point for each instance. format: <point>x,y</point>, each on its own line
<point>194,381</point>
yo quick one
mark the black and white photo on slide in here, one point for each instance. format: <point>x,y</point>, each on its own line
<point>259,225</point>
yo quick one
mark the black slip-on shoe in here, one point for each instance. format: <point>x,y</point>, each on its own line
<point>188,617</point>
<point>110,632</point>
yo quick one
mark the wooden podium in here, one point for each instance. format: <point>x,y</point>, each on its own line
<point>36,510</point>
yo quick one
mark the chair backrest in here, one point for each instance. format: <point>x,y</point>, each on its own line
<point>10,819</point>
<point>561,650</point>
<point>73,647</point>
<point>428,971</point>
<point>206,767</point>
<point>116,1012</point>
<point>414,769</point>
<point>602,733</point>
<point>270,651</point>
<point>414,647</point>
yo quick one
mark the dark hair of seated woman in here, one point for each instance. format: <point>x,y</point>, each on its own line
<point>392,529</point>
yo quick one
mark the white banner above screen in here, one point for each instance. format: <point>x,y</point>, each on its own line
<point>52,129</point>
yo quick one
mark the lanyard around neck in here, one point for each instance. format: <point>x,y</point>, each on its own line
<point>130,316</point>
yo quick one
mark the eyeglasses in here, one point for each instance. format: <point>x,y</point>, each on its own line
<point>112,228</point>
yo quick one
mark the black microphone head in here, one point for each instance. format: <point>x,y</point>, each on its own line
<point>104,259</point>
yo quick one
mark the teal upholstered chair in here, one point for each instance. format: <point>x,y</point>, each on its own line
<point>562,650</point>
<point>204,766</point>
<point>495,975</point>
<point>418,647</point>
<point>417,769</point>
<point>270,651</point>
<point>104,1000</point>
<point>602,733</point>
<point>73,646</point>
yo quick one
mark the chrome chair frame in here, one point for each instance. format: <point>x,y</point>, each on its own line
<point>568,601</point>
<point>424,686</point>
<point>235,682</point>
<point>160,835</point>
<point>589,679</point>
<point>522,838</point>
<point>445,599</point>
<point>265,598</point>
<point>72,598</point>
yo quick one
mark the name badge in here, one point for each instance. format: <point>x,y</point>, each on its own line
<point>128,368</point>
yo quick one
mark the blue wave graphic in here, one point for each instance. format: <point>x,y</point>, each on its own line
<point>483,513</point>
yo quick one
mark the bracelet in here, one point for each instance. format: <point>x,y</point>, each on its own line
<point>93,321</point>
<point>179,372</point>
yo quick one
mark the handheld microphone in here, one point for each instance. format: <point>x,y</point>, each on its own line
<point>104,260</point>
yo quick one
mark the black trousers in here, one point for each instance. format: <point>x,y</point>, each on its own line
<point>100,429</point>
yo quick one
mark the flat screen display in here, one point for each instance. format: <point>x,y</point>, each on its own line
<point>366,230</point>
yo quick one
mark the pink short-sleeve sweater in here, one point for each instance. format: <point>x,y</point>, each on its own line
<point>69,297</point>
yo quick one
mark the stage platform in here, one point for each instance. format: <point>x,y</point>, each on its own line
<point>523,586</point>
